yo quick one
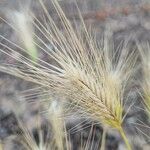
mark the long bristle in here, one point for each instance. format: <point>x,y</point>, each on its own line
<point>91,76</point>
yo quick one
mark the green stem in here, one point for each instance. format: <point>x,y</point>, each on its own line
<point>1,145</point>
<point>125,138</point>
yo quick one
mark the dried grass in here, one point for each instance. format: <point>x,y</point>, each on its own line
<point>91,74</point>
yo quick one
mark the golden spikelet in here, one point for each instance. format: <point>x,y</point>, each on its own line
<point>93,76</point>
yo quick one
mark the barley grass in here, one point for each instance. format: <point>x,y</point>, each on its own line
<point>88,72</point>
<point>21,20</point>
<point>58,125</point>
<point>54,135</point>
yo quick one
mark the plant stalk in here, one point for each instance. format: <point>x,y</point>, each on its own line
<point>125,138</point>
